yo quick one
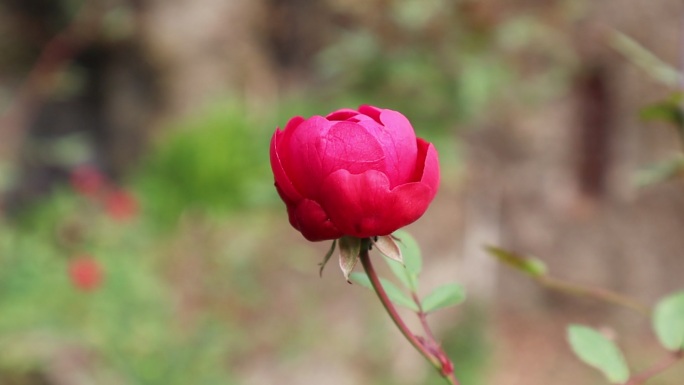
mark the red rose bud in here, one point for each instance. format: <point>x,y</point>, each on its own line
<point>87,180</point>
<point>356,173</point>
<point>85,273</point>
<point>121,205</point>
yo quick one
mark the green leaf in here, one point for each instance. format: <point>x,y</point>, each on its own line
<point>407,272</point>
<point>395,294</point>
<point>327,257</point>
<point>668,321</point>
<point>402,274</point>
<point>444,296</point>
<point>594,349</point>
<point>528,265</point>
<point>410,252</point>
<point>350,248</point>
<point>660,172</point>
<point>669,110</point>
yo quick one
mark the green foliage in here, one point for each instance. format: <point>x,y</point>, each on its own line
<point>594,349</point>
<point>457,74</point>
<point>663,171</point>
<point>669,110</point>
<point>128,324</point>
<point>444,296</point>
<point>668,321</point>
<point>531,266</point>
<point>216,161</point>
<point>407,273</point>
<point>413,261</point>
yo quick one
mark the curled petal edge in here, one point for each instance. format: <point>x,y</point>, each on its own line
<point>427,166</point>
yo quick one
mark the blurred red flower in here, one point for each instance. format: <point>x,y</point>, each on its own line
<point>86,273</point>
<point>121,205</point>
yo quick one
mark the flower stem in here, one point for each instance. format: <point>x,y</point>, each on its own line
<point>436,357</point>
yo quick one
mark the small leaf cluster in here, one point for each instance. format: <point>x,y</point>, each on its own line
<point>591,346</point>
<point>406,270</point>
<point>596,350</point>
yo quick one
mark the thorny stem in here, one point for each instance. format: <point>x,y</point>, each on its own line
<point>656,369</point>
<point>594,292</point>
<point>436,357</point>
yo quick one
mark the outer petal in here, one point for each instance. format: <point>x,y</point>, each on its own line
<point>362,205</point>
<point>343,114</point>
<point>370,111</point>
<point>427,166</point>
<point>300,156</point>
<point>399,144</point>
<point>313,222</point>
<point>317,148</point>
<point>285,187</point>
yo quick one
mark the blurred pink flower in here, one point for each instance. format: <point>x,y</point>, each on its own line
<point>87,180</point>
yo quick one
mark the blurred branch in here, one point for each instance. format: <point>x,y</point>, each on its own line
<point>594,292</point>
<point>645,59</point>
<point>54,57</point>
<point>656,369</point>
<point>537,270</point>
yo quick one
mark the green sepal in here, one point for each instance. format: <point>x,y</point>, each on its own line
<point>388,247</point>
<point>407,272</point>
<point>327,257</point>
<point>350,248</point>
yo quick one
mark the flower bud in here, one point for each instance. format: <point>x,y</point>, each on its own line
<point>359,173</point>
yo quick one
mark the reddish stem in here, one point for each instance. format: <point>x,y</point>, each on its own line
<point>436,357</point>
<point>656,369</point>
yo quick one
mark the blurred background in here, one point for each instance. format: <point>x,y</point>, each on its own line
<point>142,241</point>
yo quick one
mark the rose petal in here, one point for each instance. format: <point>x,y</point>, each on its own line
<point>300,155</point>
<point>318,148</point>
<point>362,205</point>
<point>286,187</point>
<point>427,166</point>
<point>343,114</point>
<point>314,223</point>
<point>398,142</point>
<point>372,112</point>
<point>290,205</point>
